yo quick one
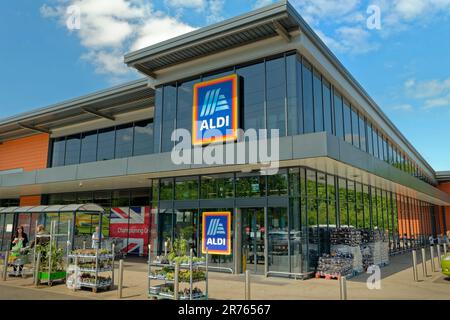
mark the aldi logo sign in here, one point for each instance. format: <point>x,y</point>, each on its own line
<point>215,110</point>
<point>216,235</point>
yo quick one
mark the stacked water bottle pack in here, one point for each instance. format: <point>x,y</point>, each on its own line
<point>347,236</point>
<point>335,266</point>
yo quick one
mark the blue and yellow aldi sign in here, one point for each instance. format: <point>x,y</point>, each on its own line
<point>215,110</point>
<point>216,233</point>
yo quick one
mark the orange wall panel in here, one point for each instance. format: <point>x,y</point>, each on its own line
<point>445,186</point>
<point>29,153</point>
<point>30,201</point>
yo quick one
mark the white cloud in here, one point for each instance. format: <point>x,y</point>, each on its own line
<point>428,88</point>
<point>403,107</point>
<point>347,19</point>
<point>191,4</point>
<point>111,28</point>
<point>150,33</point>
<point>433,93</point>
<point>215,11</point>
<point>262,3</point>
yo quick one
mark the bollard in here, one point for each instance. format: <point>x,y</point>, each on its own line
<point>247,285</point>
<point>424,263</point>
<point>5,266</point>
<point>439,255</point>
<point>414,257</point>
<point>84,245</point>
<point>433,269</point>
<point>119,292</point>
<point>343,288</point>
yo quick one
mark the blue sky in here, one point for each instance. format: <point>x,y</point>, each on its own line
<point>404,65</point>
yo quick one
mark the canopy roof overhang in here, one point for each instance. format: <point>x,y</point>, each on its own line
<point>84,208</point>
<point>106,104</point>
<point>270,21</point>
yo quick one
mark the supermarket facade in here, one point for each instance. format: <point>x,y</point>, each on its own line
<point>342,162</point>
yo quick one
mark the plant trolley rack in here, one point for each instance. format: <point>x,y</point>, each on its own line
<point>177,280</point>
<point>89,268</point>
<point>50,268</point>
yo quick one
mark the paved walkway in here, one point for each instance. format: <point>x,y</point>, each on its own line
<point>397,283</point>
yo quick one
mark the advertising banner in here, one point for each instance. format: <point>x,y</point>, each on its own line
<point>216,233</point>
<point>215,110</point>
<point>131,224</point>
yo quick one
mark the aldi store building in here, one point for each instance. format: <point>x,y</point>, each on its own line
<point>342,162</point>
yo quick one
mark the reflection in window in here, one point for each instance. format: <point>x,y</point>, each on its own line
<point>275,93</point>
<point>250,186</point>
<point>308,109</point>
<point>168,117</point>
<point>294,95</point>
<point>347,122</point>
<point>355,128</point>
<point>124,141</point>
<point>217,186</point>
<point>184,104</point>
<point>339,118</point>
<point>277,184</point>
<point>327,110</point>
<point>106,142</point>
<point>166,189</point>
<point>143,137</point>
<point>59,151</point>
<point>88,147</point>
<point>72,150</point>
<point>186,188</point>
<point>318,107</point>
<point>253,89</point>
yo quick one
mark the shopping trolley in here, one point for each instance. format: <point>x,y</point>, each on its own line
<point>21,265</point>
<point>120,245</point>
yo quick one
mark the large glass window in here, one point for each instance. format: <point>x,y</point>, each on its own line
<point>166,189</point>
<point>294,95</point>
<point>327,109</point>
<point>308,103</point>
<point>338,116</point>
<point>88,147</point>
<point>362,133</point>
<point>318,106</point>
<point>253,89</point>
<point>217,186</point>
<point>186,188</point>
<point>276,93</point>
<point>355,128</point>
<point>106,144</point>
<point>124,141</point>
<point>59,151</point>
<point>277,184</point>
<point>143,138</point>
<point>159,100</point>
<point>369,139</point>
<point>184,105</point>
<point>250,185</point>
<point>72,150</point>
<point>168,117</point>
<point>347,122</point>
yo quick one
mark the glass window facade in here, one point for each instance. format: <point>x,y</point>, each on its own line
<point>283,92</point>
<point>132,139</point>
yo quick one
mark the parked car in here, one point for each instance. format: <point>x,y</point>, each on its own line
<point>445,265</point>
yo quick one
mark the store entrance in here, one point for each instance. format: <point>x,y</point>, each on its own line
<point>253,240</point>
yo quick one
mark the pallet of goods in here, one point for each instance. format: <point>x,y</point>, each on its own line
<point>334,267</point>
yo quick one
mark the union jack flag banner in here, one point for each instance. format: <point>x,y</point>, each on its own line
<point>134,224</point>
